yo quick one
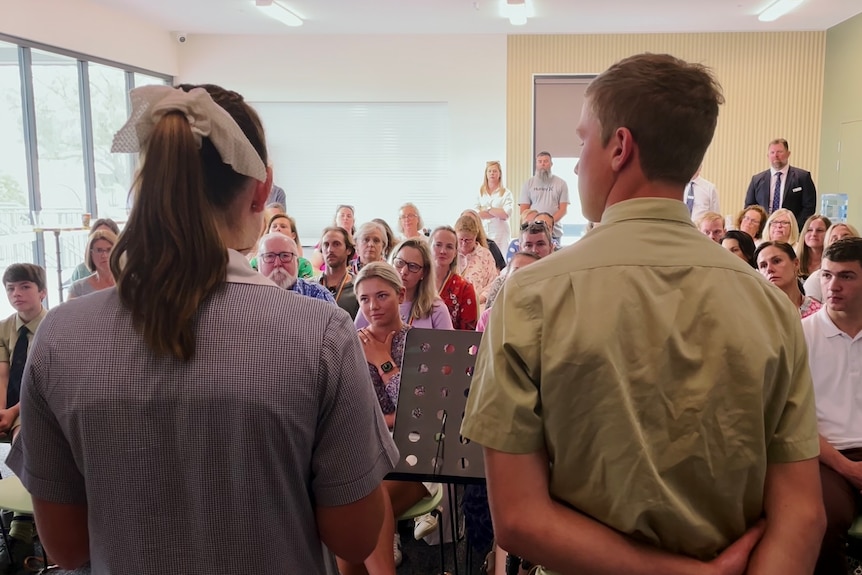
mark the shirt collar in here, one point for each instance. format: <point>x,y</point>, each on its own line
<point>648,209</point>
<point>773,171</point>
<point>33,323</point>
<point>239,271</point>
<point>828,326</point>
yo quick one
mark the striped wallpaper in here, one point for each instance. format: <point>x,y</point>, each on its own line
<point>773,83</point>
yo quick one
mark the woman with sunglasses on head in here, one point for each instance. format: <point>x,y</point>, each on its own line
<point>836,232</point>
<point>778,263</point>
<point>345,218</point>
<point>457,293</point>
<point>421,306</point>
<point>527,217</point>
<point>98,260</point>
<point>155,410</point>
<point>495,205</point>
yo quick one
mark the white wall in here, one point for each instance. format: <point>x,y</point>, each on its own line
<point>92,29</point>
<point>467,72</point>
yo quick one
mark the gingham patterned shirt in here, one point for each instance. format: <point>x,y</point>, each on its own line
<point>214,465</point>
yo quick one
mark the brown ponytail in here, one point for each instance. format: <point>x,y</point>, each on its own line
<point>170,256</point>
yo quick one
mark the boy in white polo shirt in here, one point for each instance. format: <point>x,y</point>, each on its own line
<point>834,337</point>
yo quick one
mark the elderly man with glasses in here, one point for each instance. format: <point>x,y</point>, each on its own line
<point>278,260</point>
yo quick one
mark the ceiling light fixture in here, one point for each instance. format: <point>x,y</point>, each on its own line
<point>778,9</point>
<point>277,11</point>
<point>517,12</point>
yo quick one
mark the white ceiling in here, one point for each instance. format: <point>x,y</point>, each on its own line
<point>483,16</point>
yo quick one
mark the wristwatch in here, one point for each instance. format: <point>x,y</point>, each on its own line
<point>387,366</point>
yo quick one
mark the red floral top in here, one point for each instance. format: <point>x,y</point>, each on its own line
<point>460,297</point>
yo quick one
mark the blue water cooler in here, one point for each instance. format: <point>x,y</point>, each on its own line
<point>834,207</point>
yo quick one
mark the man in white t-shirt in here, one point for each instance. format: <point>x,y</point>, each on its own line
<point>834,337</point>
<point>545,192</point>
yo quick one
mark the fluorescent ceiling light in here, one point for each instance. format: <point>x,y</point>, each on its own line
<point>516,12</point>
<point>778,9</point>
<point>277,11</point>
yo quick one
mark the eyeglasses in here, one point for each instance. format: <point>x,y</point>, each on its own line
<point>285,257</point>
<point>534,227</point>
<point>409,216</point>
<point>749,220</point>
<point>101,251</point>
<point>782,223</point>
<point>413,268</point>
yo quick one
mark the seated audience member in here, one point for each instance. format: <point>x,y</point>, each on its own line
<point>422,307</point>
<point>344,218</point>
<point>26,288</point>
<point>835,232</point>
<point>548,220</point>
<point>457,293</point>
<point>82,271</point>
<point>278,261</point>
<point>391,241</point>
<point>286,225</point>
<point>197,390</point>
<point>381,293</point>
<point>536,239</point>
<point>495,204</point>
<point>410,224</point>
<point>752,220</point>
<point>485,241</point>
<point>781,227</point>
<point>741,245</point>
<point>809,246</point>
<point>779,265</point>
<point>834,337</point>
<point>711,224</point>
<point>371,245</point>
<point>337,247</point>
<point>98,260</point>
<point>519,260</point>
<point>475,262</point>
<point>527,216</point>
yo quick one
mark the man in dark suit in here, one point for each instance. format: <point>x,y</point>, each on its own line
<point>783,186</point>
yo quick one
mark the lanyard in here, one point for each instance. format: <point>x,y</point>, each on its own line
<point>443,286</point>
<point>341,285</point>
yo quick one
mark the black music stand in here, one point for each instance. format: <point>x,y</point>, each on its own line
<point>435,379</point>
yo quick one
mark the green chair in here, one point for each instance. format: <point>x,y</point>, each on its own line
<point>14,497</point>
<point>429,505</point>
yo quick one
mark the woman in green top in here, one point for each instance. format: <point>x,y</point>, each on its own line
<point>284,224</point>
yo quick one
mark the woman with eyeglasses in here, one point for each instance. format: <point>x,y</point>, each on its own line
<point>486,242</point>
<point>421,306</point>
<point>410,223</point>
<point>371,246</point>
<point>835,232</point>
<point>98,260</point>
<point>457,293</point>
<point>495,204</point>
<point>475,262</point>
<point>781,227</point>
<point>810,245</point>
<point>82,270</point>
<point>345,219</point>
<point>286,225</point>
<point>778,263</point>
<point>752,220</point>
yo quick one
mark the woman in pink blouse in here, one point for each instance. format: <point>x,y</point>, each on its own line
<point>475,262</point>
<point>457,293</point>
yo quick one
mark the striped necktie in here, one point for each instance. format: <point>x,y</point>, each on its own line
<point>776,193</point>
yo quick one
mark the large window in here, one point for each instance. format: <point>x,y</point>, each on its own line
<point>58,114</point>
